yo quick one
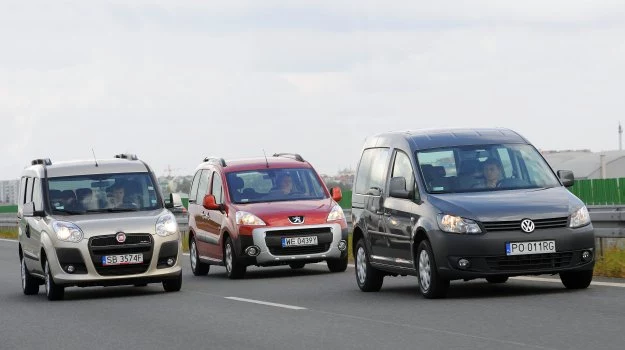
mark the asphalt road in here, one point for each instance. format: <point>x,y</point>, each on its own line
<point>316,310</point>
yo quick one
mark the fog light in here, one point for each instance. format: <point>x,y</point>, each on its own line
<point>171,261</point>
<point>586,255</point>
<point>252,250</point>
<point>464,263</point>
<point>70,268</point>
<point>342,245</point>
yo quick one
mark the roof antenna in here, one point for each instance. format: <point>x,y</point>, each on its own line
<point>94,158</point>
<point>266,161</point>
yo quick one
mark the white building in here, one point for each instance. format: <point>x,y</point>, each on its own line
<point>588,165</point>
<point>9,190</point>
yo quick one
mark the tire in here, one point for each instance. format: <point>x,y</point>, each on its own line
<point>368,278</point>
<point>431,285</point>
<point>337,265</point>
<point>497,279</point>
<point>30,285</point>
<point>173,285</point>
<point>53,290</point>
<point>576,279</point>
<point>234,269</point>
<point>297,266</point>
<point>197,267</point>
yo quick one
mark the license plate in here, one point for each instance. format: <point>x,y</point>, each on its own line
<point>536,247</point>
<point>124,259</point>
<point>299,241</point>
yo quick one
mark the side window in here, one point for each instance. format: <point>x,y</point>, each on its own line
<point>202,188</point>
<point>37,194</point>
<point>194,185</point>
<point>372,170</point>
<point>217,188</point>
<point>29,191</point>
<point>20,199</point>
<point>403,168</point>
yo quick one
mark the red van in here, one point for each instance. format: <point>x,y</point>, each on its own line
<point>264,212</point>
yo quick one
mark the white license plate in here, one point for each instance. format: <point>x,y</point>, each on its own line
<point>536,247</point>
<point>299,241</point>
<point>124,259</point>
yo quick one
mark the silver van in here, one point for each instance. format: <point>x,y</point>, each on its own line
<point>95,223</point>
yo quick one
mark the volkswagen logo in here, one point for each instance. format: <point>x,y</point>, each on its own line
<point>527,226</point>
<point>296,219</point>
<point>120,237</point>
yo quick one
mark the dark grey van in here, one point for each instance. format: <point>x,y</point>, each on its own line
<point>456,204</point>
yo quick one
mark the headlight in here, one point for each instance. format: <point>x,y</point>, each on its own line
<point>336,214</point>
<point>245,218</point>
<point>67,231</point>
<point>580,218</point>
<point>456,224</point>
<point>166,225</point>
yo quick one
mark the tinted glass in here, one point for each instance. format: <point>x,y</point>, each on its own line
<point>403,168</point>
<point>271,185</point>
<point>372,170</point>
<point>103,193</point>
<point>217,189</point>
<point>484,168</point>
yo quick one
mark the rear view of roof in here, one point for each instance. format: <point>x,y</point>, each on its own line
<point>437,138</point>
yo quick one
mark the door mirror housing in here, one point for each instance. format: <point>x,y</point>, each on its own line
<point>28,210</point>
<point>398,188</point>
<point>210,203</point>
<point>336,193</point>
<point>567,177</point>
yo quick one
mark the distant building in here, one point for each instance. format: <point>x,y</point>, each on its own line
<point>586,164</point>
<point>9,190</point>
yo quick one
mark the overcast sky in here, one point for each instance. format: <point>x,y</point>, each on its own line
<point>174,81</point>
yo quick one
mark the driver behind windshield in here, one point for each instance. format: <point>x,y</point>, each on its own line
<point>493,173</point>
<point>285,184</point>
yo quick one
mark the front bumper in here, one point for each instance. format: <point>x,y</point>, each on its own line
<point>267,239</point>
<point>487,253</point>
<point>90,272</point>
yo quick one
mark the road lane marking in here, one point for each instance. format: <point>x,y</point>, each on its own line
<point>554,280</point>
<point>8,240</point>
<point>291,307</point>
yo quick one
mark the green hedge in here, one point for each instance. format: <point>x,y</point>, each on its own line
<point>600,191</point>
<point>8,208</point>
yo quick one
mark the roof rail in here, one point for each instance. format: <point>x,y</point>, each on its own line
<point>42,161</point>
<point>295,156</point>
<point>126,156</point>
<point>217,160</point>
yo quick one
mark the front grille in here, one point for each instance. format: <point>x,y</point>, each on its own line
<point>107,245</point>
<point>273,240</point>
<point>516,225</point>
<point>321,248</point>
<point>529,262</point>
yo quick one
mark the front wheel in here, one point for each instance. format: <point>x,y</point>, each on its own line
<point>173,285</point>
<point>197,267</point>
<point>234,269</point>
<point>576,279</point>
<point>368,278</point>
<point>53,290</point>
<point>431,285</point>
<point>30,285</point>
<point>337,265</point>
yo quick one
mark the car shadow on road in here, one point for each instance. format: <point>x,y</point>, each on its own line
<point>92,293</point>
<point>272,273</point>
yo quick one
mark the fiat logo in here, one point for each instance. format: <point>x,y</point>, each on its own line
<point>120,237</point>
<point>527,226</point>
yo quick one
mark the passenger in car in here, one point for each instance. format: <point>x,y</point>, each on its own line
<point>493,173</point>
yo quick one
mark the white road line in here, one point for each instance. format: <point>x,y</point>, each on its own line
<point>554,280</point>
<point>291,307</point>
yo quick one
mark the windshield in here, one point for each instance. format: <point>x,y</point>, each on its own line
<point>102,193</point>
<point>484,168</point>
<point>272,185</point>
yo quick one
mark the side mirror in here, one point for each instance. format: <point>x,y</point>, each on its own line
<point>170,204</point>
<point>337,194</point>
<point>209,203</point>
<point>28,210</point>
<point>398,188</point>
<point>567,177</point>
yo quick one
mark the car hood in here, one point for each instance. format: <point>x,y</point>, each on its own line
<point>511,205</point>
<point>277,213</point>
<point>109,223</point>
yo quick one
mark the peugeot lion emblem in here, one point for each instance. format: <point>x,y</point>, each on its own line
<point>296,219</point>
<point>120,237</point>
<point>527,226</point>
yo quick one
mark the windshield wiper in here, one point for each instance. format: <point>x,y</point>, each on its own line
<point>112,210</point>
<point>69,211</point>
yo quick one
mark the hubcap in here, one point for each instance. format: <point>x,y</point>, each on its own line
<point>361,265</point>
<point>228,257</point>
<point>47,273</point>
<point>425,271</point>
<point>193,255</point>
<point>23,273</point>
